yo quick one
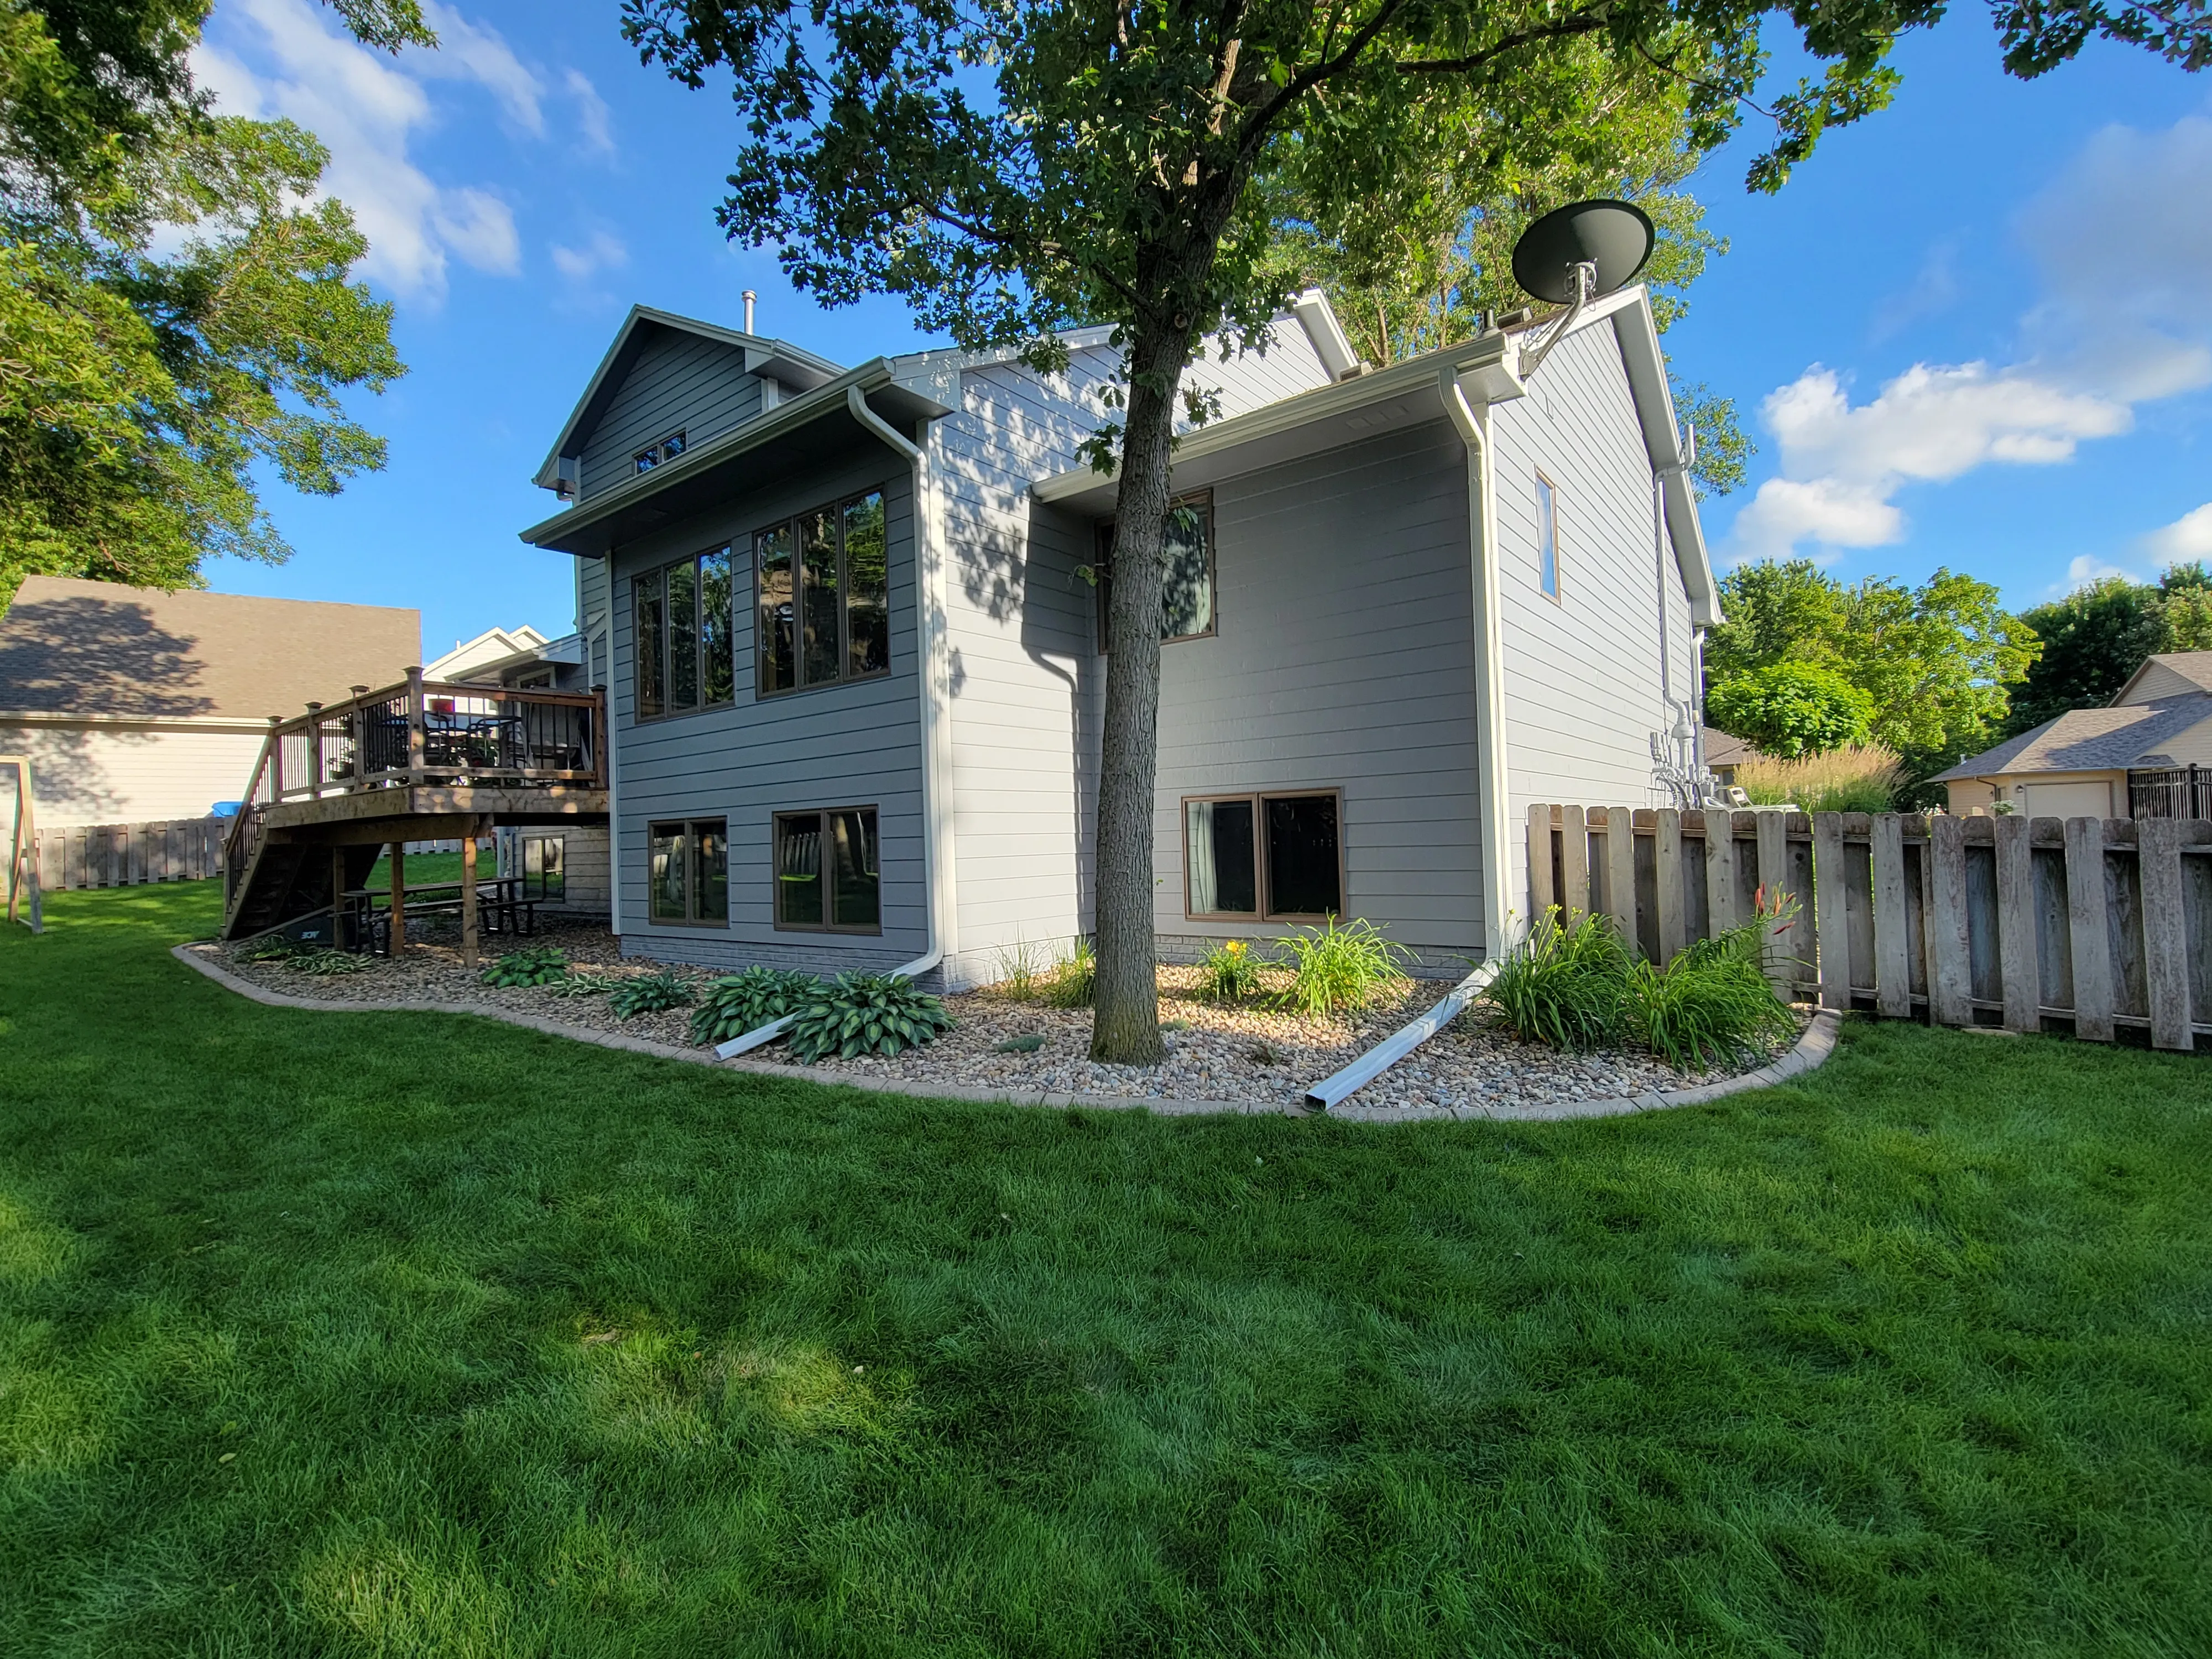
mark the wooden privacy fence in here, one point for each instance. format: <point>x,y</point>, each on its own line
<point>2099,922</point>
<point>127,855</point>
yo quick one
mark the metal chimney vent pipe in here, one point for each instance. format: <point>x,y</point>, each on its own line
<point>750,297</point>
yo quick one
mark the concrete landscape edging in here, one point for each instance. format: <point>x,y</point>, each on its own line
<point>1818,1043</point>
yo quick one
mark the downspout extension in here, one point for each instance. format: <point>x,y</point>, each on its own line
<point>926,639</point>
<point>1489,666</point>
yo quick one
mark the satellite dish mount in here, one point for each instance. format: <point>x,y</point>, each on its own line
<point>1575,254</point>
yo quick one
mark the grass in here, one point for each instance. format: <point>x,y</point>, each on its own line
<point>1857,778</point>
<point>373,1334</point>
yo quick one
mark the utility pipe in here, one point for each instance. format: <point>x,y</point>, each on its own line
<point>1394,1047</point>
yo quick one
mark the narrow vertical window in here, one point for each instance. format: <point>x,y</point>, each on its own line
<point>856,894</point>
<point>778,644</point>
<point>665,872</point>
<point>822,648</point>
<point>1218,858</point>
<point>688,871</point>
<point>652,681</point>
<point>683,637</point>
<point>828,870</point>
<point>1547,537</point>
<point>1302,867</point>
<point>717,596</point>
<point>799,870</point>
<point>867,587</point>
<point>710,872</point>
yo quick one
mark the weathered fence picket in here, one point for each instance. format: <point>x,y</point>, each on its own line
<point>2104,924</point>
<point>128,854</point>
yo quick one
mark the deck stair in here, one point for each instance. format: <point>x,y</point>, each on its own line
<point>418,761</point>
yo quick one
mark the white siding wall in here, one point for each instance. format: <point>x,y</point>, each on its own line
<point>1583,672</point>
<point>109,774</point>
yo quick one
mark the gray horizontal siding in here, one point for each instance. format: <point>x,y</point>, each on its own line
<point>843,745</point>
<point>678,381</point>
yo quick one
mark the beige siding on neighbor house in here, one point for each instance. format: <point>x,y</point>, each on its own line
<point>2157,683</point>
<point>111,772</point>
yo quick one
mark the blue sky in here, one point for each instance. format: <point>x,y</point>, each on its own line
<point>1973,330</point>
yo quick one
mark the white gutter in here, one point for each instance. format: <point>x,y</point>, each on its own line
<point>244,725</point>
<point>936,733</point>
<point>1394,1047</point>
<point>1492,780</point>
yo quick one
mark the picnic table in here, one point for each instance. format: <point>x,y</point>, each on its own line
<point>501,908</point>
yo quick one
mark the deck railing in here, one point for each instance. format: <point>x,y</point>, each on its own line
<point>417,733</point>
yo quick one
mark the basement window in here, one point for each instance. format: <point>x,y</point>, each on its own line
<point>828,870</point>
<point>1263,857</point>
<point>688,869</point>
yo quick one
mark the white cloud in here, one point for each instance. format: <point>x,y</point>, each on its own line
<point>2189,537</point>
<point>366,108</point>
<point>600,251</point>
<point>1842,465</point>
<point>592,125</point>
<point>2085,569</point>
<point>2124,260</point>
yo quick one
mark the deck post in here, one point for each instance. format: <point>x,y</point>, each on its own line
<point>315,751</point>
<point>398,898</point>
<point>468,897</point>
<point>415,723</point>
<point>276,758</point>
<point>356,722</point>
<point>337,897</point>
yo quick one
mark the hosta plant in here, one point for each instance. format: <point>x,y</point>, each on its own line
<point>323,965</point>
<point>867,1014</point>
<point>271,947</point>
<point>737,1003</point>
<point>539,965</point>
<point>649,994</point>
<point>582,983</point>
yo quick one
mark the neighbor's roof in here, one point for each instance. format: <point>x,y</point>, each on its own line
<point>81,647</point>
<point>1725,748</point>
<point>2090,740</point>
<point>2194,666</point>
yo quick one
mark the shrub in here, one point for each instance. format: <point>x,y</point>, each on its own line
<point>1711,1004</point>
<point>1022,976</point>
<point>649,994</point>
<point>737,1003</point>
<point>1229,973</point>
<point>271,947</point>
<point>1563,986</point>
<point>1863,778</point>
<point>1336,968</point>
<point>866,1014</point>
<point>1790,709</point>
<point>325,964</point>
<point>539,965</point>
<point>1073,977</point>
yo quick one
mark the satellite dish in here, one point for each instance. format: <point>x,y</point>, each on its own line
<point>1614,237</point>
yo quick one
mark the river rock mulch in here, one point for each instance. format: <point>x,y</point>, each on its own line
<point>1247,1053</point>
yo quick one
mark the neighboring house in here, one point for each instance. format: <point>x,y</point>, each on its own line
<point>136,704</point>
<point>850,624</point>
<point>564,866</point>
<point>2121,761</point>
<point>1723,753</point>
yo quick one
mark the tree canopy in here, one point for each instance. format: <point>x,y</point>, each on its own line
<point>1791,709</point>
<point>175,306</point>
<point>1936,663</point>
<point>1010,168</point>
<point>2095,637</point>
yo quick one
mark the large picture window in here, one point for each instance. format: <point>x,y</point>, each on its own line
<point>1185,580</point>
<point>689,870</point>
<point>685,615</point>
<point>825,597</point>
<point>828,871</point>
<point>1262,857</point>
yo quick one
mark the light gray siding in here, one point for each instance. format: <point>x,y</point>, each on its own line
<point>1344,659</point>
<point>855,744</point>
<point>678,381</point>
<point>1582,675</point>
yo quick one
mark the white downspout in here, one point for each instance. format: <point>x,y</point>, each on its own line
<point>936,736</point>
<point>1495,809</point>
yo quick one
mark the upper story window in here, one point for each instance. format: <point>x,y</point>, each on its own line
<point>1187,581</point>
<point>825,597</point>
<point>685,616</point>
<point>653,455</point>
<point>1547,537</point>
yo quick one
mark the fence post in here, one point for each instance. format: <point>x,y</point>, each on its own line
<point>1539,861</point>
<point>1720,871</point>
<point>1620,870</point>
<point>1574,863</point>
<point>1893,951</point>
<point>2166,938</point>
<point>2088,917</point>
<point>1773,880</point>
<point>1666,886</point>
<point>1830,919</point>
<point>2016,956</point>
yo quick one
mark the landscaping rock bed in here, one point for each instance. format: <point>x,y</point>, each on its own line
<point>1248,1052</point>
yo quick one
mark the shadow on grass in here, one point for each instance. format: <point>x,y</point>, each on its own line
<point>399,1334</point>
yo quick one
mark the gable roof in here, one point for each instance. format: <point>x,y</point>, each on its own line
<point>2194,667</point>
<point>2090,740</point>
<point>774,360</point>
<point>81,648</point>
<point>1409,392</point>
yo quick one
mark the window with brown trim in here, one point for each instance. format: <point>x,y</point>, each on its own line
<point>824,583</point>
<point>1186,607</point>
<point>685,614</point>
<point>688,872</point>
<point>829,875</point>
<point>1263,857</point>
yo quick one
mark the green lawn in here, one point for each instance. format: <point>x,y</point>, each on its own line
<point>366,1334</point>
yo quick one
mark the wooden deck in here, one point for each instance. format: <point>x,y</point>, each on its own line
<point>417,761</point>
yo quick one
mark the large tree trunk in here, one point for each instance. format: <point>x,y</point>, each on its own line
<point>1126,1024</point>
